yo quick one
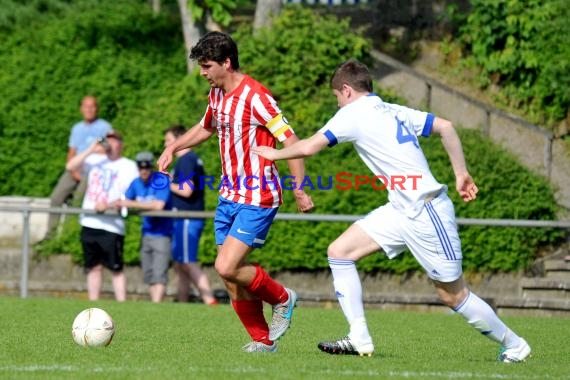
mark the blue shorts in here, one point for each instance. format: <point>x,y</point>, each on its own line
<point>249,224</point>
<point>186,239</point>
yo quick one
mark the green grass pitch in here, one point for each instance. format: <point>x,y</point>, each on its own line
<point>193,341</point>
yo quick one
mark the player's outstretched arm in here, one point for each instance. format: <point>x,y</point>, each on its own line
<point>297,149</point>
<point>194,136</point>
<point>452,144</point>
<point>293,151</point>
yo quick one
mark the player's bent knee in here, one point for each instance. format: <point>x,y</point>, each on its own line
<point>448,299</point>
<point>453,300</point>
<point>460,297</point>
<point>225,271</point>
<point>334,251</point>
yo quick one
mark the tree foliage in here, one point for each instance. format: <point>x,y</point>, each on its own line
<point>523,47</point>
<point>220,10</point>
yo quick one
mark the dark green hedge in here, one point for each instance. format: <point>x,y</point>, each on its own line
<point>134,62</point>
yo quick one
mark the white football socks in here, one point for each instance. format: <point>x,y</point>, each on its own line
<point>348,290</point>
<point>482,317</point>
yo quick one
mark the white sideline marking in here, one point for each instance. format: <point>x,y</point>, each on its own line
<point>372,373</point>
<point>463,375</point>
<point>68,368</point>
<point>365,373</point>
<point>37,367</point>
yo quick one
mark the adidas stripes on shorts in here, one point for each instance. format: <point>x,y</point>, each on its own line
<point>432,236</point>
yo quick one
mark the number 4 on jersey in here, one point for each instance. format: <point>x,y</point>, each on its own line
<point>404,135</point>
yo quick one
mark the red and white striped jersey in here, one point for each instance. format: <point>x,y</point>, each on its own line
<point>244,118</point>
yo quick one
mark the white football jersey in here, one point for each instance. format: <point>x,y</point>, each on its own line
<point>107,181</point>
<point>386,138</point>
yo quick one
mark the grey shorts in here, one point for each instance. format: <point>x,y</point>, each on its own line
<point>155,259</point>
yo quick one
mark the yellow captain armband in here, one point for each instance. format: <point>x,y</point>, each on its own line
<point>280,128</point>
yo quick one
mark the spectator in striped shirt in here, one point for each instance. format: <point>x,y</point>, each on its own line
<point>244,115</point>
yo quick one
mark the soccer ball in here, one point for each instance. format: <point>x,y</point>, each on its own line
<point>93,328</point>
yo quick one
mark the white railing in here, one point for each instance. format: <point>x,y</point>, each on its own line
<point>26,211</point>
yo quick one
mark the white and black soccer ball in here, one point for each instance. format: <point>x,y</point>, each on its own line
<point>93,327</point>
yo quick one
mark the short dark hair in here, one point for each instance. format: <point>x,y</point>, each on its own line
<point>177,130</point>
<point>354,74</point>
<point>217,47</point>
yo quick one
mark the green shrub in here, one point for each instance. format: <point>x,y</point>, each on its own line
<point>295,59</point>
<point>523,47</point>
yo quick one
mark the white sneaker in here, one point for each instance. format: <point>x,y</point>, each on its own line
<point>515,355</point>
<point>345,346</point>
<point>282,314</point>
<point>259,347</point>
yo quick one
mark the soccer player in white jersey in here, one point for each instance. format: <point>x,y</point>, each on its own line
<point>419,215</point>
<point>243,114</point>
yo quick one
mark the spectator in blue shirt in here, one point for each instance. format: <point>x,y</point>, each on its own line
<point>82,136</point>
<point>151,192</point>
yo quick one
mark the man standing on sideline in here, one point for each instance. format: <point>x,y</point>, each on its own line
<point>187,196</point>
<point>82,135</point>
<point>244,114</point>
<point>419,217</point>
<point>102,235</point>
<point>150,193</point>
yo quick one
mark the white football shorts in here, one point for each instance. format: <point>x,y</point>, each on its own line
<point>431,236</point>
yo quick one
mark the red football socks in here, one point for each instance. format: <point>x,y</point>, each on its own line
<point>250,313</point>
<point>266,288</point>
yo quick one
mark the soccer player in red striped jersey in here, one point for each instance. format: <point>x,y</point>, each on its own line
<point>244,115</point>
